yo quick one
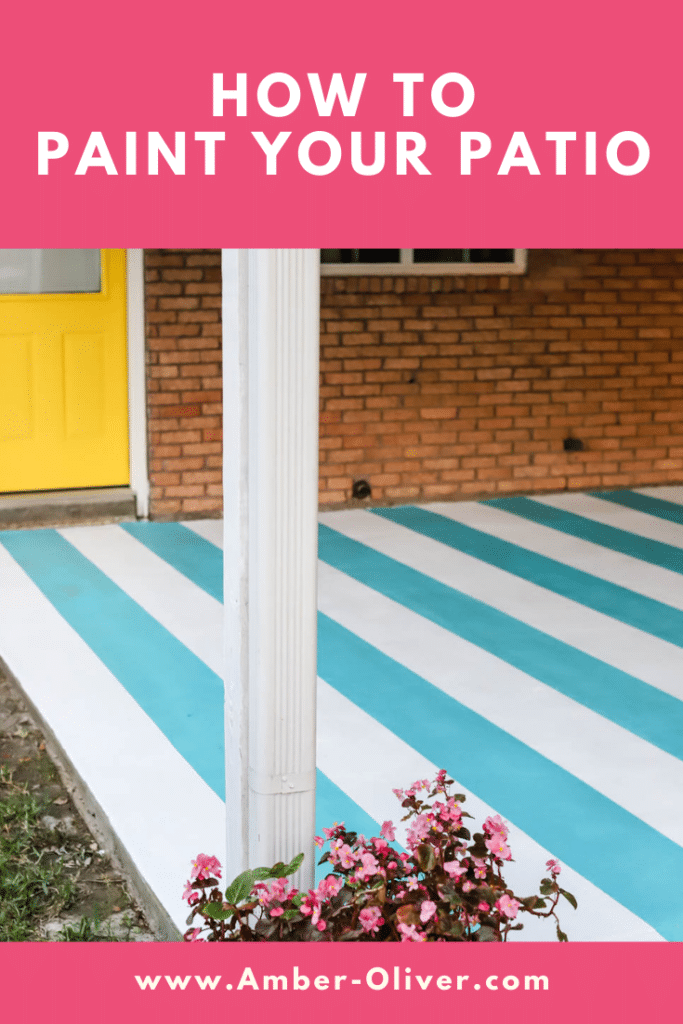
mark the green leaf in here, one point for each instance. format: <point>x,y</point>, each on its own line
<point>217,911</point>
<point>278,870</point>
<point>547,887</point>
<point>295,864</point>
<point>261,874</point>
<point>290,914</point>
<point>561,935</point>
<point>485,934</point>
<point>240,888</point>
<point>571,899</point>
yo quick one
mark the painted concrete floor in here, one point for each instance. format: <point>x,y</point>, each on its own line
<point>530,647</point>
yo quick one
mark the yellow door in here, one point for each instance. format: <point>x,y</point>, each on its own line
<point>63,371</point>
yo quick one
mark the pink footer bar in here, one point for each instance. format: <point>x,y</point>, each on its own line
<point>174,982</point>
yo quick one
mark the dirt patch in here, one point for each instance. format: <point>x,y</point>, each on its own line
<point>56,882</point>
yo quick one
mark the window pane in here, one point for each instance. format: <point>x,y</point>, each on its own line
<point>360,255</point>
<point>49,271</point>
<point>464,255</point>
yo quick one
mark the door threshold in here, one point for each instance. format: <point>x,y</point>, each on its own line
<point>63,508</point>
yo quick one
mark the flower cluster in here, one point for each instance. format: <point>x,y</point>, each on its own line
<point>447,886</point>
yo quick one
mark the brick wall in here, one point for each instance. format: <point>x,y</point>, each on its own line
<point>444,387</point>
<point>184,384</point>
<point>454,387</point>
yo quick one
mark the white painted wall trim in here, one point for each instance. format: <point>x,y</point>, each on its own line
<point>137,383</point>
<point>271,349</point>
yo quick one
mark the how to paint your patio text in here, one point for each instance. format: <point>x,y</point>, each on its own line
<point>376,979</point>
<point>321,153</point>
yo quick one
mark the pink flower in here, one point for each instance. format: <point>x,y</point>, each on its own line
<point>479,868</point>
<point>279,889</point>
<point>329,887</point>
<point>329,832</point>
<point>409,933</point>
<point>319,841</point>
<point>554,867</point>
<point>346,856</point>
<point>418,831</point>
<point>427,911</point>
<point>321,926</point>
<point>507,906</point>
<point>194,936</point>
<point>498,847</point>
<point>369,867</point>
<point>205,867</point>
<point>277,912</point>
<point>190,894</point>
<point>496,824</point>
<point>453,868</point>
<point>388,831</point>
<point>392,865</point>
<point>468,886</point>
<point>370,919</point>
<point>311,906</point>
<point>413,884</point>
<point>483,906</point>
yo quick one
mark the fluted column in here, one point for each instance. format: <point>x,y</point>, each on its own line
<point>270,374</point>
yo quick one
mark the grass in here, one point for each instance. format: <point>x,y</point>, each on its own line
<point>33,882</point>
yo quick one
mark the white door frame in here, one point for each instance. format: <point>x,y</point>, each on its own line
<point>137,379</point>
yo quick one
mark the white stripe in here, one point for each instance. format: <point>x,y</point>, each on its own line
<point>209,529</point>
<point>161,810</point>
<point>622,570</point>
<point>183,608</point>
<point>375,761</point>
<point>631,650</point>
<point>638,776</point>
<point>610,514</point>
<point>672,494</point>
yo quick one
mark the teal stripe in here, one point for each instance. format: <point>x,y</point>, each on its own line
<point>612,848</point>
<point>644,503</point>
<point>177,690</point>
<point>190,554</point>
<point>620,603</point>
<point>644,710</point>
<point>666,556</point>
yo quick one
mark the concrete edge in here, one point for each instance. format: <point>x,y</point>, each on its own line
<point>62,507</point>
<point>98,824</point>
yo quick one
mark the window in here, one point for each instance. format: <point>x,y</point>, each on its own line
<point>422,261</point>
<point>49,271</point>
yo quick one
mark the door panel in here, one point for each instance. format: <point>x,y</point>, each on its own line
<point>63,373</point>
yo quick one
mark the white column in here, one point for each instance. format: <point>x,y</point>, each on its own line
<point>270,480</point>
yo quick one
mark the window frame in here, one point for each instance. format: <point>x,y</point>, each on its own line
<point>407,267</point>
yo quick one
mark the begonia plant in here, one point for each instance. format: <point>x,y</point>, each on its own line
<point>448,885</point>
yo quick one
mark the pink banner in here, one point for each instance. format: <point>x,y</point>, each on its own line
<point>523,983</point>
<point>360,124</point>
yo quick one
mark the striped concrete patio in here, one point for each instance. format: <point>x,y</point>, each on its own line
<point>532,647</point>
